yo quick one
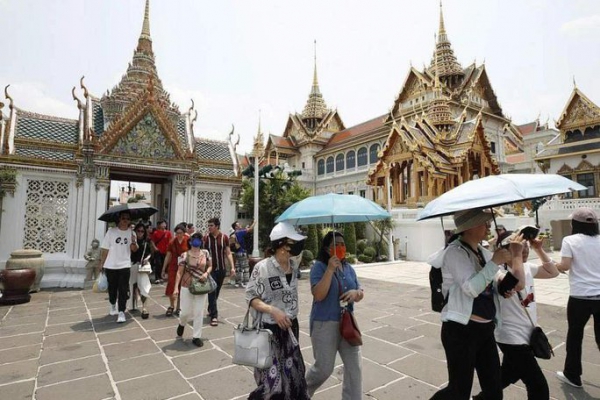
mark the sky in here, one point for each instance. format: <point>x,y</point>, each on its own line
<point>236,57</point>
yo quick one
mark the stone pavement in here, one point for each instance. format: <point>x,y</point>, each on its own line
<point>63,345</point>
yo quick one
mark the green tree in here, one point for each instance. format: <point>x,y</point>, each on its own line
<point>312,240</point>
<point>350,238</point>
<point>384,226</point>
<point>276,194</point>
<point>361,230</point>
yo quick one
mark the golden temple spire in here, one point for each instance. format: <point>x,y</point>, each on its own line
<point>315,107</point>
<point>146,25</point>
<point>444,60</point>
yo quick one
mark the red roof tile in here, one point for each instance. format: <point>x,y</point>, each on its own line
<point>515,158</point>
<point>357,130</point>
<point>526,129</point>
<point>282,142</point>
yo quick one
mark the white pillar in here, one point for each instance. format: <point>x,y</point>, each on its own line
<point>389,209</point>
<point>255,251</point>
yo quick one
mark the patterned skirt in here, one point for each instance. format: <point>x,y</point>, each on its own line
<point>285,379</point>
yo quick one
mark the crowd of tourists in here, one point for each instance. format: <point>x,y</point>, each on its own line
<point>488,298</point>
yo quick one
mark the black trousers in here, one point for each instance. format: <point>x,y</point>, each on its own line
<point>470,348</point>
<point>118,286</point>
<point>578,315</point>
<point>519,363</point>
<point>219,276</point>
<point>158,259</point>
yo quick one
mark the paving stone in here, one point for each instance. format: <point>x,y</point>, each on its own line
<point>163,334</point>
<point>92,388</point>
<point>68,328</point>
<point>70,370</point>
<point>158,386</point>
<point>109,323</point>
<point>374,375</point>
<point>68,311</point>
<point>202,362</point>
<point>393,335</point>
<point>178,347</point>
<point>139,366</point>
<point>426,329</point>
<point>159,321</point>
<point>398,322</point>
<point>190,396</point>
<point>68,318</point>
<point>21,329</point>
<point>428,346</point>
<point>64,339</point>
<point>423,368</point>
<point>24,320</point>
<point>133,332</point>
<point>18,312</point>
<point>21,340</point>
<point>243,378</point>
<point>18,391</point>
<point>20,353</point>
<point>18,371</point>
<point>121,351</point>
<point>408,387</point>
<point>382,352</point>
<point>72,351</point>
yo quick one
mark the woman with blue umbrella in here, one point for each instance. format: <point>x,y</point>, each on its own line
<point>334,287</point>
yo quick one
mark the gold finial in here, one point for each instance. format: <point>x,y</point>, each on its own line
<point>574,83</point>
<point>79,102</point>
<point>146,24</point>
<point>10,99</point>
<point>85,91</point>
<point>442,28</point>
<point>315,80</point>
<point>191,107</point>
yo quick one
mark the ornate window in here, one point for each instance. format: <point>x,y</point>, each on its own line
<point>362,157</point>
<point>208,205</point>
<point>329,165</point>
<point>321,167</point>
<point>350,159</point>
<point>588,181</point>
<point>46,216</point>
<point>339,162</point>
<point>373,150</point>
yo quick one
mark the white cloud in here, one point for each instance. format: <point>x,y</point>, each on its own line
<point>582,25</point>
<point>33,96</point>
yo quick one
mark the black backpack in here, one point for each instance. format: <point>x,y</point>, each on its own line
<point>438,301</point>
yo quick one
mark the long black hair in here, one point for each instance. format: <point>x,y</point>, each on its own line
<point>324,255</point>
<point>586,228</point>
<point>141,225</point>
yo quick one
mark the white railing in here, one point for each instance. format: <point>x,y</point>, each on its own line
<point>572,204</point>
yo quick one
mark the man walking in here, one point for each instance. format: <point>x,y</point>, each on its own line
<point>241,256</point>
<point>218,245</point>
<point>160,240</point>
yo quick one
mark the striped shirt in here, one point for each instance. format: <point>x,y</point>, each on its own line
<point>217,246</point>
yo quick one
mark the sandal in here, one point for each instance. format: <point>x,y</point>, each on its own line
<point>169,312</point>
<point>145,314</point>
<point>214,322</point>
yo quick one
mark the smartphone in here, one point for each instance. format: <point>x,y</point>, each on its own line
<point>507,284</point>
<point>529,232</point>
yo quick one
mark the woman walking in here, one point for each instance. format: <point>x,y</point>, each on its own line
<point>334,286</point>
<point>177,246</point>
<point>115,261</point>
<point>468,318</point>
<point>139,282</point>
<point>273,291</point>
<point>195,263</point>
<point>579,256</point>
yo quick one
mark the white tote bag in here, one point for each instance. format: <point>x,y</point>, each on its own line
<point>252,345</point>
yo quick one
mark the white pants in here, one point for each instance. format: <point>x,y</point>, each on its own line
<point>192,307</point>
<point>326,342</point>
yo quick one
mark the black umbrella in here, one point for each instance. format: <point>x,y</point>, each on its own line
<point>136,210</point>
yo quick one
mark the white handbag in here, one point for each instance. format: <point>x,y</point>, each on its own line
<point>252,345</point>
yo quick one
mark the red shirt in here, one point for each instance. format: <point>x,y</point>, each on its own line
<point>217,246</point>
<point>161,240</point>
<point>176,249</point>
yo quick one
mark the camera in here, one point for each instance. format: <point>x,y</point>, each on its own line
<point>529,232</point>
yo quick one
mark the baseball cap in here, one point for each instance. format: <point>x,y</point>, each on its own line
<point>585,215</point>
<point>285,230</point>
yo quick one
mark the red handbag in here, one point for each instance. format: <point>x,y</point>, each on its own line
<point>348,326</point>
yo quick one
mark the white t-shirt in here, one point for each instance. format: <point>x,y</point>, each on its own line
<point>584,275</point>
<point>118,244</point>
<point>516,327</point>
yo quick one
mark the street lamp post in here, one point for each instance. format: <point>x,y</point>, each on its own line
<point>258,150</point>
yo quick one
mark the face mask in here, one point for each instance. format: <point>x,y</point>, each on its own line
<point>196,242</point>
<point>340,252</point>
<point>296,248</point>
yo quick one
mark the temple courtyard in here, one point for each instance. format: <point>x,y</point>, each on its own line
<point>63,345</point>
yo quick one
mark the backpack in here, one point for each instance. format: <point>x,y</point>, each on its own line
<point>438,300</point>
<point>234,245</point>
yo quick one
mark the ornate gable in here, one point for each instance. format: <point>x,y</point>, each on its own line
<point>565,170</point>
<point>414,84</point>
<point>579,113</point>
<point>144,140</point>
<point>584,165</point>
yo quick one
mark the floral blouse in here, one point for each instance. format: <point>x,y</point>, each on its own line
<point>193,268</point>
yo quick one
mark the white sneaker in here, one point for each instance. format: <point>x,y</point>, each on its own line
<point>244,285</point>
<point>237,285</point>
<point>113,310</point>
<point>561,377</point>
<point>121,317</point>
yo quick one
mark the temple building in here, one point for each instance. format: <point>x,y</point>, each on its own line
<point>55,173</point>
<point>445,127</point>
<point>575,152</point>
